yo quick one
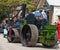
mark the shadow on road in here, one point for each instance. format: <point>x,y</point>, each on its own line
<point>41,46</point>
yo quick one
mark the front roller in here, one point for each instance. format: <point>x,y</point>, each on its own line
<point>29,35</point>
<point>51,42</point>
<point>13,35</point>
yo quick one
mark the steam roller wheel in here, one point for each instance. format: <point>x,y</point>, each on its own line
<point>13,36</point>
<point>29,35</point>
<point>55,40</point>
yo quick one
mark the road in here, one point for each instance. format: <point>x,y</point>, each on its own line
<point>4,45</point>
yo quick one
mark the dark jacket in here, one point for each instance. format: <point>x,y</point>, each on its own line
<point>16,24</point>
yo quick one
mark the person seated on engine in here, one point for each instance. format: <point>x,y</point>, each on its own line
<point>14,22</point>
<point>41,18</point>
<point>44,19</point>
<point>37,14</point>
<point>38,17</point>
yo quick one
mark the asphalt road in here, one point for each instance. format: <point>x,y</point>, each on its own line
<point>4,45</point>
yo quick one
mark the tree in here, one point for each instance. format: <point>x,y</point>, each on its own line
<point>10,3</point>
<point>3,12</point>
<point>7,4</point>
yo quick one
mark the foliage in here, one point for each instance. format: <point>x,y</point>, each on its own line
<point>5,5</point>
<point>3,13</point>
<point>10,3</point>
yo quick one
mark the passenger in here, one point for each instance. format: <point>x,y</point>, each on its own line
<point>38,17</point>
<point>27,12</point>
<point>14,22</point>
<point>44,20</point>
<point>37,14</point>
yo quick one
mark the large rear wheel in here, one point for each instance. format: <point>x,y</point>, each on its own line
<point>29,35</point>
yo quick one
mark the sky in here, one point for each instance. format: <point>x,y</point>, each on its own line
<point>54,2</point>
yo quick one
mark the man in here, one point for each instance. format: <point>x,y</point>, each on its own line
<point>44,20</point>
<point>38,17</point>
<point>14,22</point>
<point>37,14</point>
